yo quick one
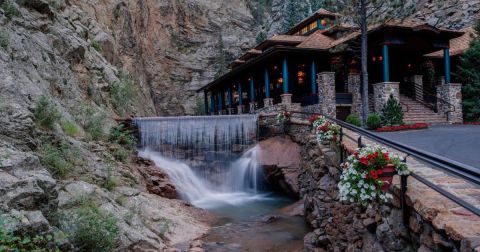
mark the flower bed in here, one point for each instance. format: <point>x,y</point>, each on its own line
<point>283,116</point>
<point>326,130</point>
<point>415,126</point>
<point>365,179</point>
<point>471,123</point>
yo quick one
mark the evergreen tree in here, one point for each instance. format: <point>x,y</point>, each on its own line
<point>262,36</point>
<point>469,75</point>
<point>392,113</point>
<point>293,14</point>
<point>221,60</point>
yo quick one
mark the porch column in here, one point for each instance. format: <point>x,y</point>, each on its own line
<point>326,94</point>
<point>252,90</point>
<point>314,78</point>
<point>267,102</point>
<point>354,85</point>
<point>205,100</point>
<point>229,96</point>
<point>386,64</point>
<point>449,101</point>
<point>446,57</point>
<point>381,93</point>
<point>230,100</point>
<point>212,102</point>
<point>221,95</point>
<point>240,99</point>
<point>286,96</point>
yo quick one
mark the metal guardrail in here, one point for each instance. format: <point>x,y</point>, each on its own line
<point>466,172</point>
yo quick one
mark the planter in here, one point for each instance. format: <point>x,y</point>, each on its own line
<point>387,176</point>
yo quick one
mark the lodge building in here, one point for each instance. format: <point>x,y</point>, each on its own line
<point>316,65</point>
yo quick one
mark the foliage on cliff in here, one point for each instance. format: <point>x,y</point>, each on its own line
<point>470,76</point>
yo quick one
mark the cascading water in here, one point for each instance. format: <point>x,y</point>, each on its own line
<point>172,143</point>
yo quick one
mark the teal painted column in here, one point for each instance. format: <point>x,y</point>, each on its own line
<point>205,98</point>
<point>230,100</point>
<point>314,78</point>
<point>252,90</point>
<point>220,100</point>
<point>446,57</point>
<point>240,94</point>
<point>285,76</point>
<point>267,84</point>
<point>386,64</point>
<point>212,101</point>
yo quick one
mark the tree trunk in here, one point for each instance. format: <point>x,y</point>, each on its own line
<point>364,58</point>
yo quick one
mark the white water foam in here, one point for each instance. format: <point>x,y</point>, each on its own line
<point>241,183</point>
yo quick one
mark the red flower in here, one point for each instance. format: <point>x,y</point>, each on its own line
<point>366,176</point>
<point>374,174</point>
<point>380,172</point>
<point>363,161</point>
<point>386,156</point>
<point>355,154</point>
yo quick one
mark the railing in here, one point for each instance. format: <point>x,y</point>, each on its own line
<point>428,97</point>
<point>466,172</point>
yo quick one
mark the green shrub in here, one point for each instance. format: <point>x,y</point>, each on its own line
<point>59,158</point>
<point>354,119</point>
<point>123,93</point>
<point>4,39</point>
<point>120,135</point>
<point>46,114</point>
<point>9,9</point>
<point>91,229</point>
<point>110,182</point>
<point>392,113</point>
<point>374,121</point>
<point>9,241</point>
<point>93,122</point>
<point>121,154</point>
<point>70,128</point>
<point>95,45</point>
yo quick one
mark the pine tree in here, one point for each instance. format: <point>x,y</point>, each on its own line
<point>221,60</point>
<point>469,75</point>
<point>392,113</point>
<point>293,14</point>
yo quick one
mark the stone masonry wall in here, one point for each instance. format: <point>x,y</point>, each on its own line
<point>452,93</point>
<point>339,226</point>
<point>355,90</point>
<point>326,93</point>
<point>381,92</point>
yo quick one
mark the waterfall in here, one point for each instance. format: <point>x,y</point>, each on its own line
<point>176,144</point>
<point>189,135</point>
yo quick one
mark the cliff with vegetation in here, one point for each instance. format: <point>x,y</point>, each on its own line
<point>68,68</point>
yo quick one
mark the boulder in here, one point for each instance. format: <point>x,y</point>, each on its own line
<point>280,158</point>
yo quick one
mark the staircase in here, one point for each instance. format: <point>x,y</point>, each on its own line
<point>416,112</point>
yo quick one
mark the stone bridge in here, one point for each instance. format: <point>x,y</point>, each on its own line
<point>430,221</point>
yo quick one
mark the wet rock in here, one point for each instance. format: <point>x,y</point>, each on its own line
<point>158,182</point>
<point>280,157</point>
<point>296,209</point>
<point>270,219</point>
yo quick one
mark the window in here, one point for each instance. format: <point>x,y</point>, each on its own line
<point>313,25</point>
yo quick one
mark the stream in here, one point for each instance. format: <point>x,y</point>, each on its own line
<point>229,185</point>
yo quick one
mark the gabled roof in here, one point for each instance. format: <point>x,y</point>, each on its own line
<point>281,40</point>
<point>319,13</point>
<point>458,45</point>
<point>317,40</point>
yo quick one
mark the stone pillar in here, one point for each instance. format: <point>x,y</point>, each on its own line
<point>268,102</point>
<point>418,82</point>
<point>382,91</point>
<point>230,111</point>
<point>354,87</point>
<point>326,93</point>
<point>240,109</point>
<point>286,99</point>
<point>451,93</point>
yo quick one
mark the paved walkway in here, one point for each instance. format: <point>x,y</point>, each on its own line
<point>457,142</point>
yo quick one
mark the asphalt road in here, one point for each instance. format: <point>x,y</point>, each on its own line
<point>457,142</point>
